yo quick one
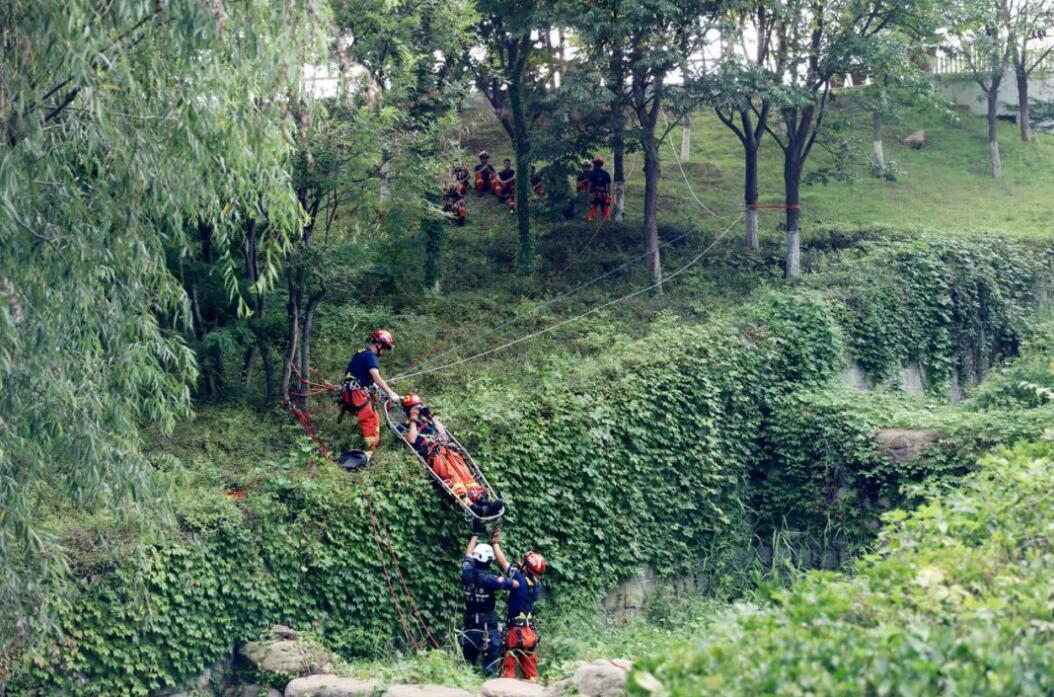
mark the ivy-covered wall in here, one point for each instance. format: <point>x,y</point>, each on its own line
<point>662,453</point>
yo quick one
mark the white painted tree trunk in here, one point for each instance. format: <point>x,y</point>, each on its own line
<point>619,203</point>
<point>793,252</point>
<point>876,140</point>
<point>385,173</point>
<point>686,139</point>
<point>753,242</point>
<point>997,164</point>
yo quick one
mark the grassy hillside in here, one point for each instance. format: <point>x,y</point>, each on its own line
<point>945,186</point>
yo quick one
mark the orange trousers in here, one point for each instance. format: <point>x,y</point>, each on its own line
<point>450,465</point>
<point>369,423</point>
<point>601,204</point>
<point>520,659</point>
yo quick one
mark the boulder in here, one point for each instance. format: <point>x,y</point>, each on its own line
<point>560,688</point>
<point>292,657</point>
<point>602,678</point>
<point>251,691</point>
<point>425,691</point>
<point>906,445</point>
<point>329,686</point>
<point>507,687</point>
<point>916,140</point>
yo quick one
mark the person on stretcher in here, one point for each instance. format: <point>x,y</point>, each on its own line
<point>427,435</point>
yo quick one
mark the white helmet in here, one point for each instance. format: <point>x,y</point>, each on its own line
<point>483,553</point>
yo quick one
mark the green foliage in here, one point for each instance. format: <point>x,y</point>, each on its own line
<point>957,599</point>
<point>953,305</point>
<point>124,123</point>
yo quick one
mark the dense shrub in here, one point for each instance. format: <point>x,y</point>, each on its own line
<point>652,453</point>
<point>956,601</point>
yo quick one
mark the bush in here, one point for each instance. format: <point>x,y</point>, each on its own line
<point>957,600</point>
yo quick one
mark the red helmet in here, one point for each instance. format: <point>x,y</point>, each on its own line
<point>534,562</point>
<point>384,338</point>
<point>598,161</point>
<point>411,400</point>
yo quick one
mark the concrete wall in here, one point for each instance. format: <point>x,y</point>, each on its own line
<point>962,90</point>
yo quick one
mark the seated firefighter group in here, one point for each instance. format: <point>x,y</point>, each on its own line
<point>510,653</point>
<point>593,181</point>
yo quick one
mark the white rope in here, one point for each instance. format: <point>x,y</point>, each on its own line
<point>677,159</point>
<point>570,320</point>
<point>536,309</point>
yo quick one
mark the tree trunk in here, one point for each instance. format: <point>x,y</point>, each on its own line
<point>686,138</point>
<point>269,381</point>
<point>523,175</point>
<point>305,344</point>
<point>993,129</point>
<point>247,364</point>
<point>385,174</point>
<point>792,185</point>
<point>618,157</point>
<point>876,139</point>
<point>292,309</point>
<point>750,192</point>
<point>1022,102</point>
<point>651,203</point>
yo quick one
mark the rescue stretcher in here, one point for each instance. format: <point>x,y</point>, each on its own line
<point>397,424</point>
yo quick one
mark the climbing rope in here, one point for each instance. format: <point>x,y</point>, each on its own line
<point>684,175</point>
<point>538,308</point>
<point>429,354</point>
<point>575,318</point>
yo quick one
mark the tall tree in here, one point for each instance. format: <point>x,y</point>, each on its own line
<point>813,41</point>
<point>660,35</point>
<point>1030,20</point>
<point>513,31</point>
<point>985,40</point>
<point>122,122</point>
<point>740,89</point>
<point>603,27</point>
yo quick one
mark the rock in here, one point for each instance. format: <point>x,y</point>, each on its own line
<point>916,140</point>
<point>602,678</point>
<point>252,691</point>
<point>280,631</point>
<point>559,688</point>
<point>425,691</point>
<point>905,445</point>
<point>288,657</point>
<point>329,686</point>
<point>507,687</point>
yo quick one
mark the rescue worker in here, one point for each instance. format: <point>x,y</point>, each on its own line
<point>537,185</point>
<point>600,190</point>
<point>454,202</point>
<point>361,380</point>
<point>521,634</point>
<point>428,436</point>
<point>505,187</point>
<point>461,175</point>
<point>484,174</point>
<point>582,180</point>
<point>481,636</point>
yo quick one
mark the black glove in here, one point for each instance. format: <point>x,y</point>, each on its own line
<point>478,528</point>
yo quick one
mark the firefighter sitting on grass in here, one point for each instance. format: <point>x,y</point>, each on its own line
<point>427,435</point>
<point>461,175</point>
<point>484,174</point>
<point>454,202</point>
<point>505,187</point>
<point>521,635</point>
<point>355,392</point>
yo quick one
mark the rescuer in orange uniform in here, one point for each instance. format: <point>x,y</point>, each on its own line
<point>362,377</point>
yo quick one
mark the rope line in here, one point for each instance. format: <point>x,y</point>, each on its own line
<point>677,159</point>
<point>575,318</point>
<point>428,354</point>
<point>539,308</point>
